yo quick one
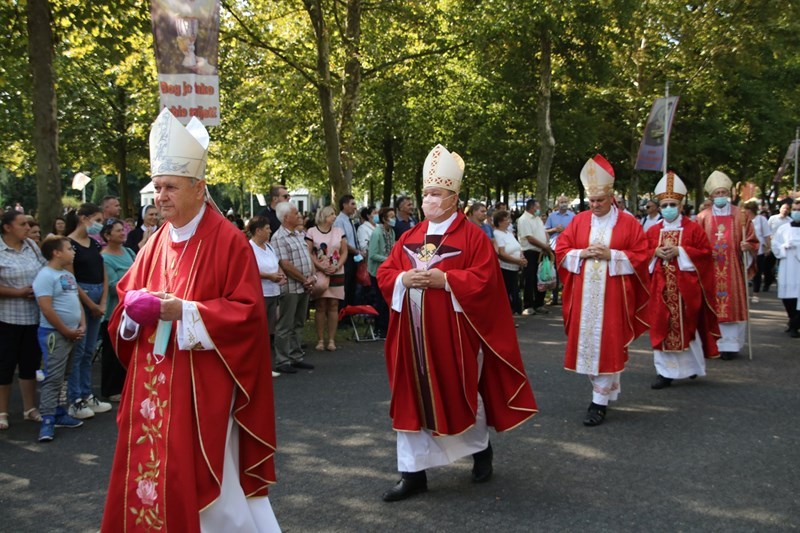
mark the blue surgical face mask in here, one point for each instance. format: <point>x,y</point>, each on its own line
<point>376,218</point>
<point>392,222</point>
<point>94,229</point>
<point>538,212</point>
<point>669,213</point>
<point>796,216</point>
<point>721,202</point>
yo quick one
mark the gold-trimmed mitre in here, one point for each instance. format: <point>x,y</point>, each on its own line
<point>670,186</point>
<point>597,176</point>
<point>717,180</point>
<point>443,169</point>
<point>176,150</point>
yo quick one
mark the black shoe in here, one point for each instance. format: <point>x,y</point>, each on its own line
<point>727,356</point>
<point>595,415</point>
<point>302,365</point>
<point>410,484</point>
<point>661,382</point>
<point>285,368</point>
<point>482,465</point>
<point>793,333</point>
<point>693,376</point>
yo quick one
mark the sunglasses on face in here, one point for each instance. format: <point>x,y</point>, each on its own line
<point>668,205</point>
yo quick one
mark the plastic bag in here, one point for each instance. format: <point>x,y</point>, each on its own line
<point>546,274</point>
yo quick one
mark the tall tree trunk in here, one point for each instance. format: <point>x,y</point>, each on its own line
<point>325,92</point>
<point>121,144</point>
<point>547,143</point>
<point>388,169</point>
<point>45,120</point>
<point>352,84</point>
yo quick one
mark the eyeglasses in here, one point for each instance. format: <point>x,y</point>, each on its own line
<point>669,205</point>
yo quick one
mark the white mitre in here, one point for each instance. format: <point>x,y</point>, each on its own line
<point>718,180</point>
<point>443,169</point>
<point>671,187</point>
<point>176,150</point>
<point>597,176</point>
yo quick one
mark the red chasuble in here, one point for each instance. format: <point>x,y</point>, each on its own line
<point>682,303</point>
<point>174,413</point>
<point>431,350</point>
<point>625,296</point>
<point>725,234</point>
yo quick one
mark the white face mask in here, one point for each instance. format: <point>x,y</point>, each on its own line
<point>432,205</point>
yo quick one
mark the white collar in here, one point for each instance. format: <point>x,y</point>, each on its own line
<point>721,211</point>
<point>675,224</point>
<point>185,232</point>
<point>438,228</point>
<point>609,219</point>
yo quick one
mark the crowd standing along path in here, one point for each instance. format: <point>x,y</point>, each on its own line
<point>714,454</point>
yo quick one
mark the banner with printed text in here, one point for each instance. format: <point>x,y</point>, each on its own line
<point>656,134</point>
<point>186,37</point>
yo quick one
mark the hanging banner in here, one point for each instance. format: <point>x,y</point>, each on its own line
<point>186,37</point>
<point>788,162</point>
<point>656,134</point>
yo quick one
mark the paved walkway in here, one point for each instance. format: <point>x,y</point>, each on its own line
<point>719,453</point>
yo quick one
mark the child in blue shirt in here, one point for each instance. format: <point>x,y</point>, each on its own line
<point>61,324</point>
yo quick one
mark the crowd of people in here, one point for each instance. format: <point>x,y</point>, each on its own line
<point>158,297</point>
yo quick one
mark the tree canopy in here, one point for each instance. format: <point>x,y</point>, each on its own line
<point>349,95</point>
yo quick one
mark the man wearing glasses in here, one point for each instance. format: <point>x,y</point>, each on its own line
<point>277,194</point>
<point>683,323</point>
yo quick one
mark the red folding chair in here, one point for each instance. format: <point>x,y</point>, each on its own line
<point>366,315</point>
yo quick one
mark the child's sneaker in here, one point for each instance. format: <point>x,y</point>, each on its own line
<point>47,431</point>
<point>66,421</point>
<point>96,405</point>
<point>80,409</point>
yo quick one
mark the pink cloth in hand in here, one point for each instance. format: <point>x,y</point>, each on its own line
<point>142,307</point>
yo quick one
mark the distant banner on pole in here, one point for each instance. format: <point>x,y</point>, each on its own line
<point>656,134</point>
<point>186,37</point>
<point>788,161</point>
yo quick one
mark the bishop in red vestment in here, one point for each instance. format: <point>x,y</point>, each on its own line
<point>196,423</point>
<point>734,245</point>
<point>602,258</point>
<point>452,354</point>
<point>683,324</point>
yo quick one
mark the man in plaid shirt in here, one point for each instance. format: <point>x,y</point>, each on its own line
<point>293,258</point>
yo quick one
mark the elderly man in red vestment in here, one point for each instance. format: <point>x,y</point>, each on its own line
<point>454,368</point>
<point>602,258</point>
<point>734,245</point>
<point>683,324</point>
<point>196,423</point>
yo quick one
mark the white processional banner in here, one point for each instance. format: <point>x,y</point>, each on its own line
<point>186,38</point>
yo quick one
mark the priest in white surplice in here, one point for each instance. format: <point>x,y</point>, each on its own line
<point>786,248</point>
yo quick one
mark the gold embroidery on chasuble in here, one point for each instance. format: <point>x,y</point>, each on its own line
<point>720,252</point>
<point>673,341</point>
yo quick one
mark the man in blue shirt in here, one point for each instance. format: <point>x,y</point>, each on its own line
<point>404,216</point>
<point>344,221</point>
<point>555,225</point>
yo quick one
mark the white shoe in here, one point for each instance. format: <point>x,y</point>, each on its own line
<point>80,410</point>
<point>754,299</point>
<point>528,312</point>
<point>96,405</point>
<point>276,374</point>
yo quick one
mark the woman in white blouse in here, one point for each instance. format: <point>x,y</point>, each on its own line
<point>511,257</point>
<point>271,276</point>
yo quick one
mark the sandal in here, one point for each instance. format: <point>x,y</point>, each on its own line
<point>595,415</point>
<point>320,346</point>
<point>331,346</point>
<point>32,415</point>
<point>3,420</point>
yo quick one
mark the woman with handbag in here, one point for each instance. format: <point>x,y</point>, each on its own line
<point>327,247</point>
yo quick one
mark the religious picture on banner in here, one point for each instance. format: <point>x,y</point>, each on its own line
<point>186,37</point>
<point>656,134</point>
